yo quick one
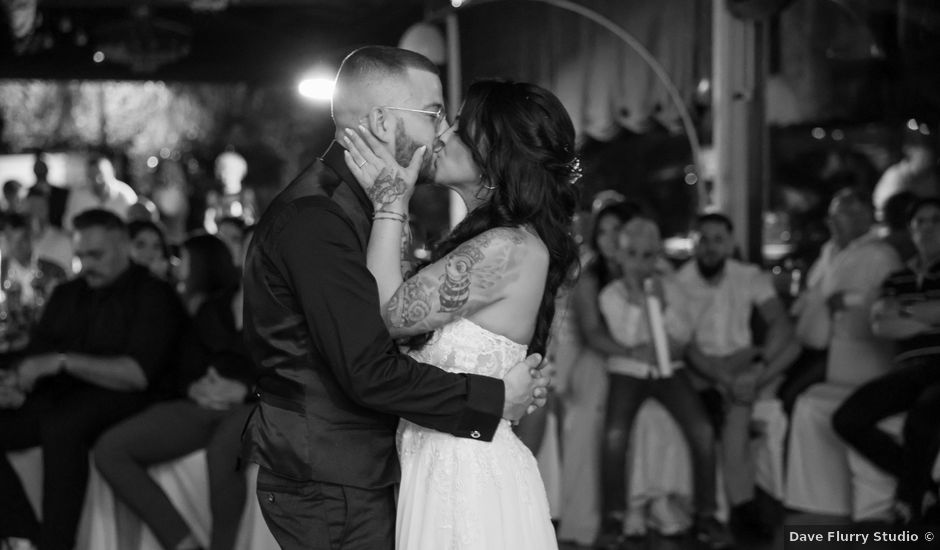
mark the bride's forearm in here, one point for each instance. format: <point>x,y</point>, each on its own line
<point>383,256</point>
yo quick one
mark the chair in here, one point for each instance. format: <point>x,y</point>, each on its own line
<point>661,466</point>
<point>185,482</point>
<point>825,476</point>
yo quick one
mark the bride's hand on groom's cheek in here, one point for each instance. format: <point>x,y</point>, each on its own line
<point>388,184</point>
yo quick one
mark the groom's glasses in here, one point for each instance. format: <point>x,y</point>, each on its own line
<point>437,115</point>
<point>439,138</point>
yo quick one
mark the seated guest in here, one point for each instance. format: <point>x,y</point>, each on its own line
<point>143,210</point>
<point>217,375</point>
<point>895,230</point>
<point>101,190</point>
<point>583,389</point>
<point>103,343</point>
<point>721,294</point>
<point>909,313</point>
<point>19,271</point>
<point>197,273</point>
<point>50,243</point>
<point>149,248</point>
<point>635,377</point>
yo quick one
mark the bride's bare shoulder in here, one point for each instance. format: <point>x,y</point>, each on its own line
<point>521,240</point>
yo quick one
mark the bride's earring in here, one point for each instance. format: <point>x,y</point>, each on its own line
<point>490,188</point>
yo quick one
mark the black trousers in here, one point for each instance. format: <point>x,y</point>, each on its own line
<point>913,387</point>
<point>312,515</point>
<point>677,395</point>
<point>64,422</point>
<point>167,431</point>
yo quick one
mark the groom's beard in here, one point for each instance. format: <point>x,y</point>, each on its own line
<point>405,148</point>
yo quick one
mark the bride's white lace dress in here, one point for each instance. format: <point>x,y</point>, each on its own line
<point>463,494</point>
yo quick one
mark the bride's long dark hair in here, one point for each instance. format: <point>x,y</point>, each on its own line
<point>523,140</point>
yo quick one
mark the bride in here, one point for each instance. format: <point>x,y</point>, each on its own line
<point>484,302</point>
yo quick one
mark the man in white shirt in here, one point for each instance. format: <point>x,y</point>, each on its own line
<point>849,273</point>
<point>721,294</point>
<point>102,190</point>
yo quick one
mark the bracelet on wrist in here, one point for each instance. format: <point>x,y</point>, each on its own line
<point>388,215</point>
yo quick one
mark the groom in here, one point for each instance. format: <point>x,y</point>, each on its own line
<point>335,384</point>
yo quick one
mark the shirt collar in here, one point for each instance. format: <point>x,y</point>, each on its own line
<point>333,159</point>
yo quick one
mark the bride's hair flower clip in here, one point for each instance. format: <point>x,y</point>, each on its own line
<point>574,170</point>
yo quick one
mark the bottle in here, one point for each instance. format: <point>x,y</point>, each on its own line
<point>654,307</point>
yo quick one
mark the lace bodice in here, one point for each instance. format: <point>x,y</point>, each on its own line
<point>464,346</point>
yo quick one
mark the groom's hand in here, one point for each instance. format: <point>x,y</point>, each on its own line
<point>526,388</point>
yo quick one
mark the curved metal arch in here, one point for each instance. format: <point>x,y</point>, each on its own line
<point>651,61</point>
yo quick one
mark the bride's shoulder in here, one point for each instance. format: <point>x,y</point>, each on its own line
<point>517,240</point>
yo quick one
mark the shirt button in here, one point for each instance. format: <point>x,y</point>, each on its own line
<point>475,434</point>
<point>271,498</point>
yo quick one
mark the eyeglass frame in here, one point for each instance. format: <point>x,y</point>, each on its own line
<point>439,115</point>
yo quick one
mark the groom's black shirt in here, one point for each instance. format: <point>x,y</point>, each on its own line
<point>333,382</point>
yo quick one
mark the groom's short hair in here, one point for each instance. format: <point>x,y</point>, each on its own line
<point>374,62</point>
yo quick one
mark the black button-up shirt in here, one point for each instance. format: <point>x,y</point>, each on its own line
<point>137,315</point>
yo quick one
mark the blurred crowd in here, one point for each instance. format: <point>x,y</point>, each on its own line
<point>120,343</point>
<point>800,381</point>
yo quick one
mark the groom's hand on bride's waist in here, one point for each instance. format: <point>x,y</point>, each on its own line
<point>526,388</point>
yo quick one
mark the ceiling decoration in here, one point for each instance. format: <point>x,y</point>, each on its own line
<point>144,42</point>
<point>192,40</point>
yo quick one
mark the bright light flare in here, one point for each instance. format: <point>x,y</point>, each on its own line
<point>317,89</point>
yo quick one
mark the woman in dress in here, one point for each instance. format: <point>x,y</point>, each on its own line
<point>584,387</point>
<point>486,300</point>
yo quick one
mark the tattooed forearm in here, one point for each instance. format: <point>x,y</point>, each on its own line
<point>404,254</point>
<point>388,188</point>
<point>410,305</point>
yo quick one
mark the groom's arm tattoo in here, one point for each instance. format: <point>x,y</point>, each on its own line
<point>387,188</point>
<point>472,275</point>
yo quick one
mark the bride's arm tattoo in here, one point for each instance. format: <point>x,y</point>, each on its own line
<point>471,276</point>
<point>387,188</point>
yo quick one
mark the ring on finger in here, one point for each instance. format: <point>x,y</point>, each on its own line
<point>361,164</point>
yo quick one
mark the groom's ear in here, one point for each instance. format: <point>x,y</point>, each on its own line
<point>381,125</point>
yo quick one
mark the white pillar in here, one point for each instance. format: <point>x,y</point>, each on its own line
<point>740,135</point>
<point>454,84</point>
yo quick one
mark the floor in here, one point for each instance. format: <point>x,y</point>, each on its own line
<point>744,540</point>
